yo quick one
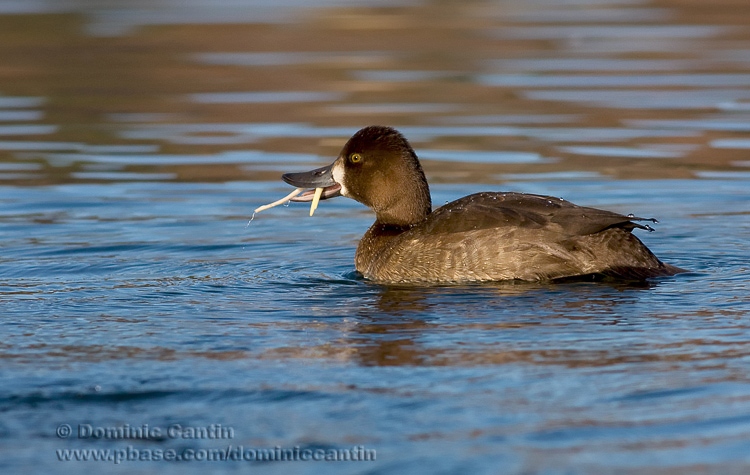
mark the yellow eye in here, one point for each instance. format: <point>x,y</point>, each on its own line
<point>355,158</point>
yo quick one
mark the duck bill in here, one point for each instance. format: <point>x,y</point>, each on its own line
<point>319,178</point>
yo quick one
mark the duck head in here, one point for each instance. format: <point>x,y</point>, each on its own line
<point>378,168</point>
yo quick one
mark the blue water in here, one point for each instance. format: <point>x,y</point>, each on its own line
<point>158,304</point>
<point>144,314</point>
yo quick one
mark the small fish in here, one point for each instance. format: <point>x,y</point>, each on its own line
<point>281,201</point>
<point>297,191</point>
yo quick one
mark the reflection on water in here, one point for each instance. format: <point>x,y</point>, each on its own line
<point>27,129</point>
<point>645,80</point>
<point>20,116</point>
<point>137,136</point>
<point>142,157</point>
<point>732,143</point>
<point>501,80</point>
<point>598,32</point>
<point>475,156</point>
<point>285,58</point>
<point>20,102</point>
<point>635,99</point>
<point>264,97</point>
<point>661,151</point>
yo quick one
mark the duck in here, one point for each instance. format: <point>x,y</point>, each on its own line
<point>482,237</point>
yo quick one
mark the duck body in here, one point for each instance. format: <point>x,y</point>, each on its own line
<point>488,236</point>
<point>508,236</point>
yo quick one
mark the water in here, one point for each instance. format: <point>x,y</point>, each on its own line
<point>136,138</point>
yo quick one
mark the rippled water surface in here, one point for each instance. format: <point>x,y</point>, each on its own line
<point>137,296</point>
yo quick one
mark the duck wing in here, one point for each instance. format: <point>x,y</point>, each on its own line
<point>525,211</point>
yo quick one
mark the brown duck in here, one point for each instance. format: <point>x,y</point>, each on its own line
<point>489,236</point>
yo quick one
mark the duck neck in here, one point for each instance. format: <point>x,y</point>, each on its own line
<point>401,217</point>
<point>410,206</point>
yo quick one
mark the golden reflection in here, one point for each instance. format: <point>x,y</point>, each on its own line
<point>475,71</point>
